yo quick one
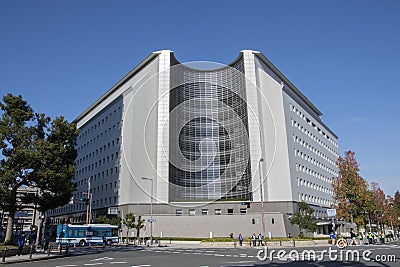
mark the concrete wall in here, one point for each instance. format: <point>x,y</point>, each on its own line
<point>139,133</point>
<point>219,225</point>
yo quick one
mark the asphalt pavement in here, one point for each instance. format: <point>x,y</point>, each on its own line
<point>198,256</point>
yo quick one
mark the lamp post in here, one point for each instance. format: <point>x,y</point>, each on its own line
<point>151,209</point>
<point>262,197</point>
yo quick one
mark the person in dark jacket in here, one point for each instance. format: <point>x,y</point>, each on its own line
<point>21,243</point>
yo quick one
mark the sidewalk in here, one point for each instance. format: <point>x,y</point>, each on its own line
<point>54,254</point>
<point>35,257</point>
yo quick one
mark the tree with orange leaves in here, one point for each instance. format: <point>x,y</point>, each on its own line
<point>350,190</point>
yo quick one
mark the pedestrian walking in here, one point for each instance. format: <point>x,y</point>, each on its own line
<point>333,238</point>
<point>104,240</point>
<point>370,238</point>
<point>46,242</point>
<point>353,236</point>
<point>254,239</point>
<point>260,240</point>
<point>21,243</point>
<point>240,237</point>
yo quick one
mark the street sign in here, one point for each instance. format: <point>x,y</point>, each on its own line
<point>151,220</point>
<point>112,211</point>
<point>331,212</point>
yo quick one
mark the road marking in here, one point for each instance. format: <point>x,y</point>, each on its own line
<point>66,265</point>
<point>118,262</point>
<point>104,258</point>
<point>92,264</point>
<point>145,265</point>
<point>239,262</point>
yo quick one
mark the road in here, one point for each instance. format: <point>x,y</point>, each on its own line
<point>387,255</point>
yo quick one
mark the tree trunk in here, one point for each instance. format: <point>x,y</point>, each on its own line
<point>41,230</point>
<point>11,213</point>
<point>10,223</point>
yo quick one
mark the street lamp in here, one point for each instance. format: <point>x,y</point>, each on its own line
<point>151,209</point>
<point>262,197</point>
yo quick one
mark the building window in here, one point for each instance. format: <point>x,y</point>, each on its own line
<point>243,211</point>
<point>192,212</point>
<point>217,212</point>
<point>178,212</point>
<point>230,211</point>
<point>204,212</point>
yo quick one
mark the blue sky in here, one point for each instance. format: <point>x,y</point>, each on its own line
<point>343,55</point>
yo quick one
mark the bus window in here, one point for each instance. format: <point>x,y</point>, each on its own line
<point>114,232</point>
<point>81,233</point>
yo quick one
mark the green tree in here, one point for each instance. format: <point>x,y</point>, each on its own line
<point>303,218</point>
<point>139,225</point>
<point>106,220</point>
<point>130,222</point>
<point>37,152</point>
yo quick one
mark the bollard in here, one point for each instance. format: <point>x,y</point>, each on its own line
<point>4,254</point>
<point>60,249</point>
<point>280,243</point>
<point>30,252</point>
<point>234,244</point>
<point>74,247</point>
<point>90,245</point>
<point>67,249</point>
<point>49,249</point>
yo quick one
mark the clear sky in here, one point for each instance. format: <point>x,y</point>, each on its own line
<point>343,55</point>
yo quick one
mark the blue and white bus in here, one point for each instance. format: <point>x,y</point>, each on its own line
<point>83,235</point>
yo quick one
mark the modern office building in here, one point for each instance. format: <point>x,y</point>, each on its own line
<point>204,151</point>
<point>24,218</point>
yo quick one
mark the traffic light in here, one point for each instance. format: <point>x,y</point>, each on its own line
<point>86,200</point>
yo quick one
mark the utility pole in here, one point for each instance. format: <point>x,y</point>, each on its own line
<point>262,197</point>
<point>89,204</point>
<point>151,209</point>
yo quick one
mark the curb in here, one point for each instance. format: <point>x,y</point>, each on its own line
<point>36,259</point>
